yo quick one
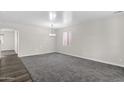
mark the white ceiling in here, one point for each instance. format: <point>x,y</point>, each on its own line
<point>42,18</point>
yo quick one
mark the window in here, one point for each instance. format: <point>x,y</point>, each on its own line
<point>66,38</point>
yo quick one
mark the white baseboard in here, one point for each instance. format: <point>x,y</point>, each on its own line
<point>101,61</point>
<point>25,55</point>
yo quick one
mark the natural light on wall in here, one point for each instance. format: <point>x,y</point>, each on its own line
<point>67,38</point>
<point>1,38</point>
<point>52,16</point>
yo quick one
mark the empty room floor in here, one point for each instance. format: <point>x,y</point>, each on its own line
<point>12,69</point>
<point>56,67</point>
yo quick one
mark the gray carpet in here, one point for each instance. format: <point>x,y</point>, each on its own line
<point>56,67</point>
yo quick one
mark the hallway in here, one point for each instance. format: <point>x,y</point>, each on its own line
<point>12,69</point>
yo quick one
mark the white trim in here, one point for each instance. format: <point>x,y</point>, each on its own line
<point>29,54</point>
<point>101,61</point>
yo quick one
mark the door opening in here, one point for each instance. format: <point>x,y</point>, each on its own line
<point>8,42</point>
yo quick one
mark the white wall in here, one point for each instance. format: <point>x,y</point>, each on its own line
<point>0,49</point>
<point>32,39</point>
<point>35,40</point>
<point>16,41</point>
<point>8,40</point>
<point>100,40</point>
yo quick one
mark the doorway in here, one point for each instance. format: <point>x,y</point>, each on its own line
<point>8,42</point>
